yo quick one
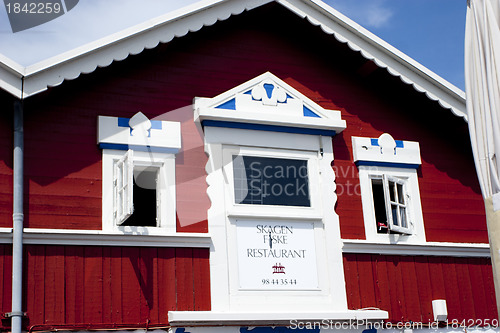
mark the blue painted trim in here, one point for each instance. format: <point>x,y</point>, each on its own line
<point>388,164</point>
<point>399,143</point>
<point>229,105</point>
<point>269,89</point>
<point>123,122</point>
<point>155,124</point>
<point>249,92</point>
<point>119,146</point>
<point>268,128</point>
<point>309,113</point>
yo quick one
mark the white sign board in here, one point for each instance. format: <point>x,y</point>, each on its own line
<point>276,255</point>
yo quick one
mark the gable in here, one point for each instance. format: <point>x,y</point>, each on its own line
<point>25,82</point>
<point>267,103</point>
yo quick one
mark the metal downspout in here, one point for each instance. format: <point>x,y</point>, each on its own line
<point>17,220</point>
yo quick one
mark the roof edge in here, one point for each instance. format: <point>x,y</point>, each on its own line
<point>382,53</point>
<point>134,40</point>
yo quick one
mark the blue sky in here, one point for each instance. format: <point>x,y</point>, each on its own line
<point>430,31</point>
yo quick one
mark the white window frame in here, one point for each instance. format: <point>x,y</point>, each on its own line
<point>235,209</point>
<point>166,200</point>
<point>123,197</point>
<point>386,180</point>
<point>415,232</point>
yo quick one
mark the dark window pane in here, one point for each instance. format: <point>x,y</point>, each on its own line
<point>270,181</point>
<point>144,200</point>
<point>379,205</point>
<point>401,197</point>
<point>391,191</point>
<point>402,213</point>
<point>395,219</point>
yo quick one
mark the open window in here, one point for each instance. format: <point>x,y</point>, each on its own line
<point>389,189</point>
<point>137,189</point>
<point>123,174</point>
<point>138,167</point>
<point>390,203</point>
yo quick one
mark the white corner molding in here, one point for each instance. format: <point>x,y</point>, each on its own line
<point>213,318</point>
<point>424,249</point>
<point>100,238</point>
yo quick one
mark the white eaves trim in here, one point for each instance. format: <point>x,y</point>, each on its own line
<point>11,76</point>
<point>134,40</point>
<point>119,46</point>
<point>100,238</point>
<point>382,53</point>
<point>213,318</point>
<point>424,249</point>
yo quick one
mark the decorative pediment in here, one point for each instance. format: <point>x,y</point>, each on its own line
<point>139,133</point>
<point>385,151</point>
<point>268,103</point>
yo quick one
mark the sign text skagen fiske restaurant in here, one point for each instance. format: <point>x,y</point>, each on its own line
<point>276,255</point>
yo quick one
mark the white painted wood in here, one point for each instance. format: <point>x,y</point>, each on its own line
<point>253,138</point>
<point>154,238</point>
<point>160,239</point>
<point>271,318</point>
<point>258,108</point>
<point>169,136</point>
<point>416,222</point>
<point>11,76</point>
<point>363,150</point>
<point>123,183</point>
<point>292,212</point>
<point>226,296</point>
<point>424,249</point>
<point>165,191</point>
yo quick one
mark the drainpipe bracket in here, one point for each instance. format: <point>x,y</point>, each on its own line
<point>14,314</point>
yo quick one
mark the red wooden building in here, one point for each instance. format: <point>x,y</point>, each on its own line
<point>245,163</point>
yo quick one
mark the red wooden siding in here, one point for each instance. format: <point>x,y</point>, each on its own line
<point>67,285</point>
<point>63,165</point>
<point>405,286</point>
<point>6,152</point>
<point>5,282</point>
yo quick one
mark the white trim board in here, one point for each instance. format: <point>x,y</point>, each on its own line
<point>425,249</point>
<point>134,40</point>
<point>212,318</point>
<point>99,238</point>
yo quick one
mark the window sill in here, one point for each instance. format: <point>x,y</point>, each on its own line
<point>423,249</point>
<point>211,318</point>
<point>102,238</point>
